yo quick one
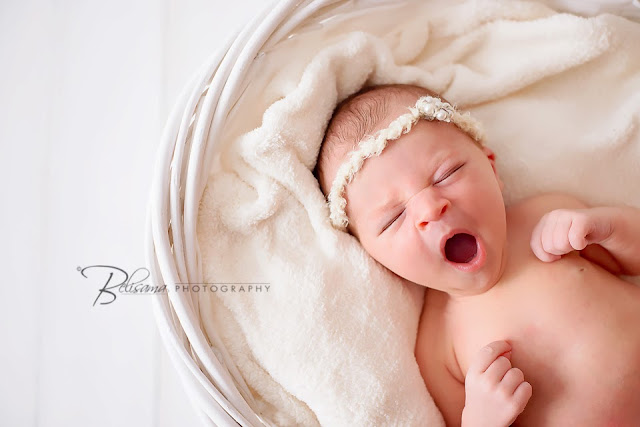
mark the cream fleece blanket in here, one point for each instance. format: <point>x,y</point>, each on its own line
<point>332,339</point>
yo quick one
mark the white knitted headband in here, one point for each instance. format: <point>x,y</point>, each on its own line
<point>427,107</point>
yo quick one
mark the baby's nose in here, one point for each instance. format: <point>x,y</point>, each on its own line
<point>431,211</point>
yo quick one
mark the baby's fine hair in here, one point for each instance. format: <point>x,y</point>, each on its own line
<point>355,118</point>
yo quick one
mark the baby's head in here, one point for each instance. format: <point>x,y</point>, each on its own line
<point>427,204</point>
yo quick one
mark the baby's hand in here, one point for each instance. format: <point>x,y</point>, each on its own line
<point>564,230</point>
<point>495,393</point>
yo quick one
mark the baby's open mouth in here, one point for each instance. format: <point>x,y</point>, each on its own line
<point>461,248</point>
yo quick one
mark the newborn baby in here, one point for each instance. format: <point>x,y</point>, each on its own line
<point>538,280</point>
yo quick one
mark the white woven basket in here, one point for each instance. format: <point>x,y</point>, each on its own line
<point>189,140</point>
<point>211,378</point>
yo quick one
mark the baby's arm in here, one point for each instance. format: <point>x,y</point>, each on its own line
<point>615,228</point>
<point>495,393</point>
<point>624,242</point>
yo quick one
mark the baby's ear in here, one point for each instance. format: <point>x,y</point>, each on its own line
<point>489,153</point>
<point>492,159</point>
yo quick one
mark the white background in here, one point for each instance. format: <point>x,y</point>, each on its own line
<point>85,89</point>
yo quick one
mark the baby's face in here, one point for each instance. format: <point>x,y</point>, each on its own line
<point>431,184</point>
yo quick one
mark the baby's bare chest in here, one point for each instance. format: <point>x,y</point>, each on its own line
<point>570,327</point>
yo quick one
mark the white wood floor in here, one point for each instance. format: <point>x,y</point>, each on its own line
<point>85,88</point>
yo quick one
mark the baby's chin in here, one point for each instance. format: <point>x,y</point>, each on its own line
<point>486,279</point>
<point>468,284</point>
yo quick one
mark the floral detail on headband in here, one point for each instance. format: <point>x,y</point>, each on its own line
<point>428,108</point>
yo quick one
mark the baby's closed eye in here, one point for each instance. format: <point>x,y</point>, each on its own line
<point>446,175</point>
<point>390,223</point>
<point>449,173</point>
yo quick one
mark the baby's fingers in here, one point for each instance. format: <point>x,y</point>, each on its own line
<point>536,242</point>
<point>522,395</point>
<point>487,355</point>
<point>519,400</point>
<point>577,235</point>
<point>558,241</point>
<point>496,372</point>
<point>512,379</point>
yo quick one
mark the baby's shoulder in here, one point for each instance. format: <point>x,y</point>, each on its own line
<point>524,214</point>
<point>434,344</point>
<point>436,358</point>
<point>549,201</point>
